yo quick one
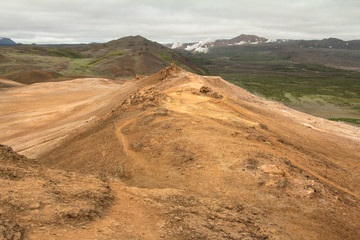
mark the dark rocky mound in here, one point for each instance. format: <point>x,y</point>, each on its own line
<point>146,97</point>
<point>6,42</point>
<point>209,92</point>
<point>32,76</point>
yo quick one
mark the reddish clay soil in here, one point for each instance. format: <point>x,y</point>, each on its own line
<point>172,156</point>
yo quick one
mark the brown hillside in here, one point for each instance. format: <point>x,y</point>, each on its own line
<point>3,58</point>
<point>124,57</point>
<point>133,55</point>
<point>141,63</point>
<point>32,76</point>
<point>193,157</point>
<point>36,117</point>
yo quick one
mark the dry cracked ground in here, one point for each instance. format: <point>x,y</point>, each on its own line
<point>171,156</point>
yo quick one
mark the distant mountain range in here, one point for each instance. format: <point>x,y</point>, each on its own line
<point>243,39</point>
<point>6,42</point>
<point>135,55</point>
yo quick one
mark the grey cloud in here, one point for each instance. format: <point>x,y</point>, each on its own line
<point>53,21</point>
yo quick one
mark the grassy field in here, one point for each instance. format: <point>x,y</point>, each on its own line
<point>78,67</point>
<point>348,120</point>
<point>270,73</point>
<point>108,55</point>
<point>65,63</point>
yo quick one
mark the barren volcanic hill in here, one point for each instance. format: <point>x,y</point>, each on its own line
<point>174,155</point>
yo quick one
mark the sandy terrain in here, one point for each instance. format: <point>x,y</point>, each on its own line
<point>184,157</point>
<point>35,117</point>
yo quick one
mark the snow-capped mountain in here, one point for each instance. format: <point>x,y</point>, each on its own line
<point>176,45</point>
<point>204,45</point>
<point>243,39</point>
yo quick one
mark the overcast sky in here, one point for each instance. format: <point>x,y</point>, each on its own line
<point>84,21</point>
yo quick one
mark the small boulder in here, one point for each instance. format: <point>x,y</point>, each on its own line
<point>210,93</point>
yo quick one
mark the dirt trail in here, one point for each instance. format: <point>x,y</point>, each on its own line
<point>325,181</point>
<point>136,158</point>
<point>122,139</point>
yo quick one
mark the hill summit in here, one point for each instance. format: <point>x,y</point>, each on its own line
<point>184,157</point>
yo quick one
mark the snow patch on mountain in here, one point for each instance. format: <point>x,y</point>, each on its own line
<point>202,46</point>
<point>176,45</point>
<point>202,50</point>
<point>241,43</point>
<point>271,41</point>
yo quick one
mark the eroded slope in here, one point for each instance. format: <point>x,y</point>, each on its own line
<point>208,160</point>
<point>35,118</point>
<point>34,197</point>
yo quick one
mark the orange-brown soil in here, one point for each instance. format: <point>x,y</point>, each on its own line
<point>4,83</point>
<point>183,157</point>
<point>36,197</point>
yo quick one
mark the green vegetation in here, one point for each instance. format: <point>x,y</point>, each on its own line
<point>108,55</point>
<point>247,53</point>
<point>164,55</point>
<point>124,57</point>
<point>61,52</point>
<point>25,60</point>
<point>270,73</point>
<point>78,67</point>
<point>348,120</point>
<point>342,91</point>
<point>61,61</point>
<point>169,58</point>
